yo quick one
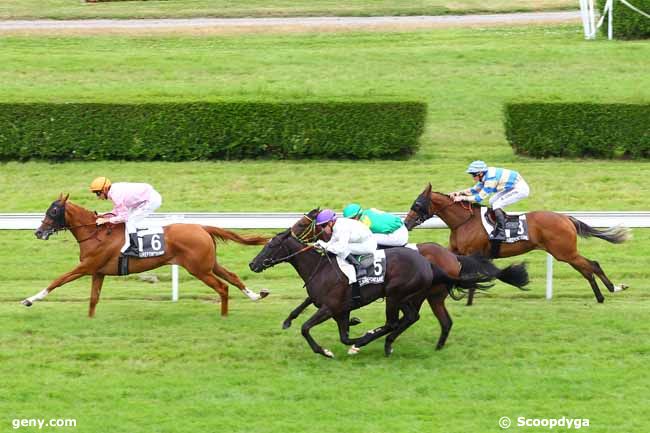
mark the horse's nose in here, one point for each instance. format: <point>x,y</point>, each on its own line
<point>251,265</point>
<point>39,234</point>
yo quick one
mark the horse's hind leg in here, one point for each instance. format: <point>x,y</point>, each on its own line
<point>470,297</point>
<point>411,316</point>
<point>219,286</point>
<point>392,321</point>
<point>437,305</point>
<point>236,281</point>
<point>98,280</point>
<point>601,274</point>
<point>586,268</point>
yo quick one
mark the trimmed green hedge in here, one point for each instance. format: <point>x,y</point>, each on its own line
<point>628,24</point>
<point>577,130</point>
<point>194,131</point>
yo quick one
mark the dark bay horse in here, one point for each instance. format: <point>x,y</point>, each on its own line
<point>409,280</point>
<point>550,231</point>
<point>454,265</point>
<point>191,246</point>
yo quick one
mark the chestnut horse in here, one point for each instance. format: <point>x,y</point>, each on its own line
<point>190,245</point>
<point>409,280</point>
<point>550,231</point>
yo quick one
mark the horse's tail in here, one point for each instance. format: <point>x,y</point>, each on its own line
<point>457,286</point>
<point>227,235</point>
<point>615,235</point>
<point>477,264</point>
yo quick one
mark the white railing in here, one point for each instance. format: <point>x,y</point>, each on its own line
<point>257,220</point>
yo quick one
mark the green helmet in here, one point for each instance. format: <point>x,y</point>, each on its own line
<point>352,210</point>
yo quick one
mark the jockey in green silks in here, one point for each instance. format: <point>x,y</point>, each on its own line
<point>388,229</point>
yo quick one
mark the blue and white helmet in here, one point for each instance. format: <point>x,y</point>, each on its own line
<point>477,167</point>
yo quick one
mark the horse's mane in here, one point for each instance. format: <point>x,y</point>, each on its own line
<point>474,205</point>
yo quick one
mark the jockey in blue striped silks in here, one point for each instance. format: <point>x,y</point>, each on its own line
<point>507,186</point>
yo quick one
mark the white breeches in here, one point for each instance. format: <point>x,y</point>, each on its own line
<point>505,198</point>
<point>398,238</point>
<point>137,215</point>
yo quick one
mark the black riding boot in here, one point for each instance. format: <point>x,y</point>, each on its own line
<point>360,272</point>
<point>499,233</point>
<point>132,250</point>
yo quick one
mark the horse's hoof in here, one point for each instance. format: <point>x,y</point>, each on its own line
<point>353,350</point>
<point>286,325</point>
<point>26,302</point>
<point>388,351</point>
<point>354,321</point>
<point>620,288</point>
<point>327,353</point>
<point>264,293</point>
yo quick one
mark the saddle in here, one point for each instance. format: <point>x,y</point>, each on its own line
<point>144,243</point>
<point>516,225</point>
<point>372,268</point>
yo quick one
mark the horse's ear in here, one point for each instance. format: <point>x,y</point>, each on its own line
<point>65,198</point>
<point>429,187</point>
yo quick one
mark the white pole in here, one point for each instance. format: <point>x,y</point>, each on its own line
<point>585,20</point>
<point>610,24</point>
<point>174,283</point>
<point>549,276</point>
<point>592,19</point>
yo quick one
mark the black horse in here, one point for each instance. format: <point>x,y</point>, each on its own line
<point>409,280</point>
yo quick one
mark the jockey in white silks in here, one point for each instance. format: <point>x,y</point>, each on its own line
<point>349,237</point>
<point>132,203</point>
<point>507,186</point>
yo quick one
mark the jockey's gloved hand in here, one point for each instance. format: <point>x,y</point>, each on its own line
<point>320,245</point>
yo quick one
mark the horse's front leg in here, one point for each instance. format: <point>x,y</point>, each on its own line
<point>77,272</point>
<point>98,280</point>
<point>295,313</point>
<point>319,316</point>
<point>343,321</point>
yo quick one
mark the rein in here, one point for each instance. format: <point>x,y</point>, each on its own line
<point>273,262</point>
<point>463,204</point>
<point>66,227</point>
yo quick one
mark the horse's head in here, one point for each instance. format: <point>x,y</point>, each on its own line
<point>277,251</point>
<point>273,253</point>
<point>54,219</point>
<point>420,210</point>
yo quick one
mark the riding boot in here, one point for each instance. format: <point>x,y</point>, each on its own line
<point>356,289</point>
<point>132,249</point>
<point>499,233</point>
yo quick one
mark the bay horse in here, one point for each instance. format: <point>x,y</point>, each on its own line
<point>409,280</point>
<point>191,246</point>
<point>549,231</point>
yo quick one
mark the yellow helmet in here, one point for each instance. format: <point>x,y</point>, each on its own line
<point>100,184</point>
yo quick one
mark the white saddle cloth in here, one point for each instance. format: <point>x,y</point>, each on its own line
<point>348,269</point>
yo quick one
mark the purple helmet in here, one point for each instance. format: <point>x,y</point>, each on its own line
<point>325,216</point>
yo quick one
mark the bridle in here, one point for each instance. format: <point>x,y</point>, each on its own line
<point>60,224</point>
<point>307,235</point>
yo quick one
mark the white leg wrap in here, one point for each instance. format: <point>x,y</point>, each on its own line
<point>40,295</point>
<point>620,288</point>
<point>252,295</point>
<point>353,350</point>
